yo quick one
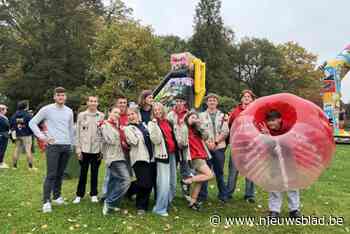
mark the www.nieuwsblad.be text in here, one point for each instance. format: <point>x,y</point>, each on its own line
<point>216,220</point>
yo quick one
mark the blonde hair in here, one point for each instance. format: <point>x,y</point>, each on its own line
<point>163,108</point>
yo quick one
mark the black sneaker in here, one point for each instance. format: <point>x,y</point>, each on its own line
<point>274,214</point>
<point>295,214</point>
<point>250,200</point>
<point>195,206</point>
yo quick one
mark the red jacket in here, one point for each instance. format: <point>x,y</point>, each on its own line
<point>234,114</point>
<point>197,150</point>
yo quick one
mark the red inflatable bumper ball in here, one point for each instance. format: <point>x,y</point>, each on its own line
<point>292,160</point>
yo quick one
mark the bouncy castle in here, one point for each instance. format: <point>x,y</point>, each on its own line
<point>186,79</point>
<point>335,71</point>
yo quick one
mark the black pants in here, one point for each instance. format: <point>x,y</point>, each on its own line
<point>85,162</point>
<point>153,166</point>
<point>142,187</point>
<point>3,146</point>
<point>57,157</point>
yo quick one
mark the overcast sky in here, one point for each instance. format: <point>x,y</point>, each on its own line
<point>321,26</point>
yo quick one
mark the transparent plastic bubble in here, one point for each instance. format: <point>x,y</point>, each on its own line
<point>292,160</point>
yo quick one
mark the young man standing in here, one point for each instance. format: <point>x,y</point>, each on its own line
<point>4,135</point>
<point>24,136</point>
<point>247,97</point>
<point>59,139</point>
<point>275,126</point>
<point>215,124</point>
<point>88,147</point>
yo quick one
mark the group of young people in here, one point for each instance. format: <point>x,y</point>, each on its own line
<point>145,147</point>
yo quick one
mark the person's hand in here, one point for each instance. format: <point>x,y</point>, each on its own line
<point>263,128</point>
<point>154,120</point>
<point>226,117</point>
<point>79,156</point>
<point>99,157</point>
<point>211,145</point>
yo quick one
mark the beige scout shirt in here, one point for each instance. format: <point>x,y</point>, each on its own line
<point>215,129</point>
<point>112,148</point>
<point>88,135</point>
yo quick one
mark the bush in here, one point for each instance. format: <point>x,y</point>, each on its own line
<point>227,103</point>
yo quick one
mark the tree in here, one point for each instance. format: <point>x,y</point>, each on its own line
<point>171,44</point>
<point>299,72</point>
<point>256,63</point>
<point>51,46</point>
<point>128,58</point>
<point>212,42</point>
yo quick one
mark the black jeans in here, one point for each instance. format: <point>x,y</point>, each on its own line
<point>143,185</point>
<point>85,162</point>
<point>3,146</point>
<point>57,157</point>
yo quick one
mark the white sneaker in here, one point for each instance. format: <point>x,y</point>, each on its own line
<point>77,200</point>
<point>94,199</point>
<point>47,207</point>
<point>164,215</point>
<point>4,166</point>
<point>105,209</point>
<point>59,201</point>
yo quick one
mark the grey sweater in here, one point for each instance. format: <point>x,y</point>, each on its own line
<point>59,121</point>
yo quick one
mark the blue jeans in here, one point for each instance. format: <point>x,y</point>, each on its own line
<point>232,182</point>
<point>218,162</point>
<point>166,185</point>
<point>105,182</point>
<point>118,183</point>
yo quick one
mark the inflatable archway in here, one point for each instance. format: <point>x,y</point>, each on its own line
<point>334,71</point>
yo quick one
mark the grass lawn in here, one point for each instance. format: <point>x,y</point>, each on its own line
<point>21,192</point>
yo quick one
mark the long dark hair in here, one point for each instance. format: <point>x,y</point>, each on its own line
<point>195,128</point>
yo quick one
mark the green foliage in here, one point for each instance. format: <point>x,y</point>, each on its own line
<point>51,41</point>
<point>170,45</point>
<point>299,73</point>
<point>257,65</point>
<point>227,103</point>
<point>127,55</point>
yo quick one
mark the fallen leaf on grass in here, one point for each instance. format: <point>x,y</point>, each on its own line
<point>77,225</point>
<point>71,220</point>
<point>125,212</point>
<point>71,228</point>
<point>347,229</point>
<point>44,226</point>
<point>129,228</point>
<point>176,217</point>
<point>167,227</point>
<point>9,215</point>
